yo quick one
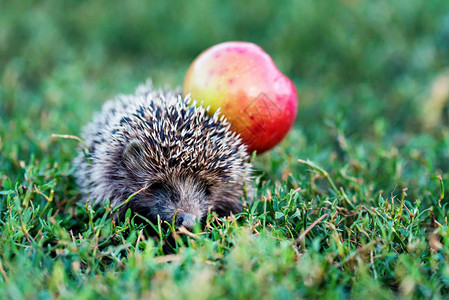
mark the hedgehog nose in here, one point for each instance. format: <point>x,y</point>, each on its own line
<point>187,220</point>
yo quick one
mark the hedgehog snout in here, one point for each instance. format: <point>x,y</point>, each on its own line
<point>187,220</point>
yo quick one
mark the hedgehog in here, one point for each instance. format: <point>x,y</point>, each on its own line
<point>164,157</point>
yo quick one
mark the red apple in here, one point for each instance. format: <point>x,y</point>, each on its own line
<point>257,99</point>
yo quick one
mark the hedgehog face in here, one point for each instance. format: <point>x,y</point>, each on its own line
<point>181,198</point>
<point>186,200</point>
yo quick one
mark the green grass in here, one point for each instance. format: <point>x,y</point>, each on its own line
<point>353,203</point>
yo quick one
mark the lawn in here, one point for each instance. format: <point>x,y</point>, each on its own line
<point>352,204</point>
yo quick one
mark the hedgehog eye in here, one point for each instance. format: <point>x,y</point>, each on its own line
<point>163,191</point>
<point>207,190</point>
<point>156,186</point>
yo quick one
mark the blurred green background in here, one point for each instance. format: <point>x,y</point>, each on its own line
<point>373,81</point>
<point>365,64</point>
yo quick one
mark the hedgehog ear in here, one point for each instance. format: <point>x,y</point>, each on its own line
<point>133,154</point>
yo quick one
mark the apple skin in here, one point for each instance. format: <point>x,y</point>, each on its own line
<point>242,80</point>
